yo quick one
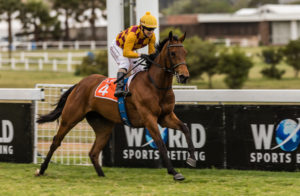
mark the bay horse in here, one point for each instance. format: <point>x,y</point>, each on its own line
<point>151,103</point>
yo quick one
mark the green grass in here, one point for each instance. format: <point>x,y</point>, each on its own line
<point>28,79</point>
<point>18,179</point>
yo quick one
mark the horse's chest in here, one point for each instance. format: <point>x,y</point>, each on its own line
<point>166,107</point>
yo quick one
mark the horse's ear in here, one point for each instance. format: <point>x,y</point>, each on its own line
<point>170,36</point>
<point>182,38</point>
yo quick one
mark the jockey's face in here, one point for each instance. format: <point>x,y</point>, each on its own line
<point>148,31</point>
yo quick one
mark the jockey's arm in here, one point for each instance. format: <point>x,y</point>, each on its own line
<point>128,46</point>
<point>151,45</point>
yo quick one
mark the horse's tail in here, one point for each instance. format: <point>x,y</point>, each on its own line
<point>54,114</point>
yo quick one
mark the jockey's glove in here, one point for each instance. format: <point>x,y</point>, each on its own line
<point>145,56</point>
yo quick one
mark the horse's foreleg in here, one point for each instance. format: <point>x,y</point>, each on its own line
<point>151,125</point>
<point>103,129</point>
<point>171,121</point>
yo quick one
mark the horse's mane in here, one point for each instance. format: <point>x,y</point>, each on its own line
<point>158,49</point>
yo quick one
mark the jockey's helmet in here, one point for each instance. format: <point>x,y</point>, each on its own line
<point>148,21</point>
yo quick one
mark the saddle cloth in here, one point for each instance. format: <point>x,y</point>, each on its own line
<point>106,89</point>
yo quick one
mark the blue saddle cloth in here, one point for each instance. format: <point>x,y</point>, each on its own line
<point>122,108</point>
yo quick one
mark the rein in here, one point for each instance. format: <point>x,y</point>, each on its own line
<point>159,88</point>
<point>172,68</point>
<point>139,63</point>
<point>166,69</point>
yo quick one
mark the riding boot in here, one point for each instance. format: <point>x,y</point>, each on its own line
<point>120,85</point>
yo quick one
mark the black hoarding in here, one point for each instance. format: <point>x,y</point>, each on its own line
<point>260,137</point>
<point>134,147</point>
<point>263,137</point>
<point>16,137</point>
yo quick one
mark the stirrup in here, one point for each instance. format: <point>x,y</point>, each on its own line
<point>127,93</point>
<point>119,94</point>
<point>122,94</point>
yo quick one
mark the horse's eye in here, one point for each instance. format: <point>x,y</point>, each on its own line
<point>173,54</point>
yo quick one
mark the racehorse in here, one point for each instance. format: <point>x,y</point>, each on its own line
<point>151,103</point>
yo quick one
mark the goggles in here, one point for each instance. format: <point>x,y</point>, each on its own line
<point>149,29</point>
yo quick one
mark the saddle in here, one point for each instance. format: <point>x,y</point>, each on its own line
<point>106,90</point>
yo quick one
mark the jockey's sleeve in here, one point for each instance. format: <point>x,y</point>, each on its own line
<point>151,46</point>
<point>128,46</point>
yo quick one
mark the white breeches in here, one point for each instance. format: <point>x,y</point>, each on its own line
<point>124,62</point>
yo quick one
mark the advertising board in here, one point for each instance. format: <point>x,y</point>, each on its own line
<point>16,136</point>
<point>134,147</point>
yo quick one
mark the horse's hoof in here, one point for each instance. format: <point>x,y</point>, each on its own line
<point>191,162</point>
<point>37,172</point>
<point>178,177</point>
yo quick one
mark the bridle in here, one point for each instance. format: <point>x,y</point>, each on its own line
<point>170,69</point>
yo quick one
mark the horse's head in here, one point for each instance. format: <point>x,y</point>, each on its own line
<point>176,55</point>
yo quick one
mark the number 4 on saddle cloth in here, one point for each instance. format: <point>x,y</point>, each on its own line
<point>106,90</point>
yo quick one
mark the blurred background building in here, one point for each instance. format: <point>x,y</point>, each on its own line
<point>256,23</point>
<point>268,24</point>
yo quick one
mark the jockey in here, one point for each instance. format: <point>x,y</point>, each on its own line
<point>123,48</point>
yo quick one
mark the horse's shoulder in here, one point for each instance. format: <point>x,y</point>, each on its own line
<point>138,80</point>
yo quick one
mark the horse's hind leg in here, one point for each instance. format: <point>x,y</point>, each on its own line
<point>62,131</point>
<point>103,129</point>
<point>69,119</point>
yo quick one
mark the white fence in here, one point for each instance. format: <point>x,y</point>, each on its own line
<point>27,94</point>
<point>77,143</point>
<point>250,96</point>
<point>42,61</point>
<point>55,45</point>
<point>75,146</point>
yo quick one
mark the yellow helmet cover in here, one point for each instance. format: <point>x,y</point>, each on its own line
<point>148,21</point>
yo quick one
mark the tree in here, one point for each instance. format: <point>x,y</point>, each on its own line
<point>68,8</point>
<point>201,58</point>
<point>92,5</point>
<point>236,66</point>
<point>292,54</point>
<point>272,57</point>
<point>7,8</point>
<point>257,3</point>
<point>36,13</point>
<point>199,6</point>
<point>91,65</point>
<point>165,33</point>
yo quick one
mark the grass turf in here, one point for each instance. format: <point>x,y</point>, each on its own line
<point>19,179</point>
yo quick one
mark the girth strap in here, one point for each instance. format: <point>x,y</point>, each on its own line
<point>122,107</point>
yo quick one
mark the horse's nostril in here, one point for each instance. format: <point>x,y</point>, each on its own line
<point>183,78</point>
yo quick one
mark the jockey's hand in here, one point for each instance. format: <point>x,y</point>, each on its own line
<point>144,56</point>
<point>145,68</point>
